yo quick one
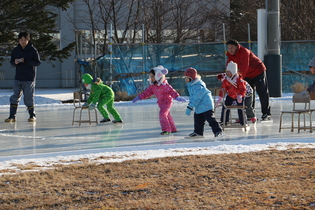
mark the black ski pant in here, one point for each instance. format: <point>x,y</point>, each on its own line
<point>199,122</point>
<point>260,85</point>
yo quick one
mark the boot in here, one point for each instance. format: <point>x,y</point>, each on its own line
<point>13,109</point>
<point>32,114</point>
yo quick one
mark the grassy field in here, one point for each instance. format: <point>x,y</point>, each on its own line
<point>269,179</point>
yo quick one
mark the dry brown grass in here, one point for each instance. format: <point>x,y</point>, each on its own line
<point>257,180</point>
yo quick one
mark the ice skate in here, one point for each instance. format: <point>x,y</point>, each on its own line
<point>104,120</point>
<point>254,120</point>
<point>165,133</point>
<point>194,135</point>
<point>266,117</point>
<point>32,119</point>
<point>10,119</point>
<point>218,135</point>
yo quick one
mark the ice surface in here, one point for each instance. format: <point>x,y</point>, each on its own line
<point>53,134</point>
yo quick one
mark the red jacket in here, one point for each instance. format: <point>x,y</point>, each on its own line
<point>239,87</point>
<point>248,63</point>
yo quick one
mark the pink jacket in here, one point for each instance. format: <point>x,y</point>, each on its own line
<point>164,93</point>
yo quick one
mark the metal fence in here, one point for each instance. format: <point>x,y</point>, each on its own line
<point>126,68</point>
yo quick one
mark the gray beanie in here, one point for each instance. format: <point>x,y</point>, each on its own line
<point>312,63</point>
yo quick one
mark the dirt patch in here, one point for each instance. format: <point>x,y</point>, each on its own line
<point>257,180</point>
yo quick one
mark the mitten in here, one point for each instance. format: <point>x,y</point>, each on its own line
<point>221,76</point>
<point>136,99</point>
<point>188,111</point>
<point>180,99</point>
<point>239,99</point>
<point>218,103</point>
<point>92,106</point>
<point>85,105</point>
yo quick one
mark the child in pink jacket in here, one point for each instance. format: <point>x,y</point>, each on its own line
<point>165,94</point>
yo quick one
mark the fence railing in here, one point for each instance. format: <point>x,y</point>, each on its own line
<point>126,68</point>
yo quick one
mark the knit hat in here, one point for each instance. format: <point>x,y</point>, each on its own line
<point>191,72</point>
<point>87,78</point>
<point>311,63</point>
<point>160,73</point>
<point>232,67</point>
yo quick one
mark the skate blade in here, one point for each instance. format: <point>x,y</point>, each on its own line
<point>266,121</point>
<point>198,137</point>
<point>219,137</point>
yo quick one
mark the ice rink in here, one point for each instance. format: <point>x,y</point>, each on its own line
<point>53,132</point>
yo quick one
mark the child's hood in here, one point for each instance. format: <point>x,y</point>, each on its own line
<point>196,81</point>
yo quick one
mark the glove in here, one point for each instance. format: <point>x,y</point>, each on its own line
<point>239,99</point>
<point>188,111</point>
<point>136,99</point>
<point>85,105</point>
<point>180,99</point>
<point>91,106</point>
<point>218,103</point>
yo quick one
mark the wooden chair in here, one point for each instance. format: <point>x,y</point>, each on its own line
<point>215,95</point>
<point>230,123</point>
<point>77,102</point>
<point>301,105</point>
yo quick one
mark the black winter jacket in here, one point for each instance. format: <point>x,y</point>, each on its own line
<point>25,71</point>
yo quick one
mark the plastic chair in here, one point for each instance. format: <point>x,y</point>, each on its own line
<point>77,102</point>
<point>301,105</point>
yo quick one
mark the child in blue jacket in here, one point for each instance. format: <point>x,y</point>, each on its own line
<point>201,101</point>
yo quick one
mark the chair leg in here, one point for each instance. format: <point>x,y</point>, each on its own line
<point>304,122</point>
<point>244,119</point>
<point>299,123</point>
<point>292,122</point>
<point>89,112</point>
<point>224,118</point>
<point>80,117</point>
<point>311,129</point>
<point>73,115</point>
<point>96,116</point>
<point>280,122</point>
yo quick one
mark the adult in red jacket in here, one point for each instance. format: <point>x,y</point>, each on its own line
<point>253,70</point>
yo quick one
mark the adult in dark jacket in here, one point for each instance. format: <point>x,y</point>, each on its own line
<point>311,65</point>
<point>25,59</point>
<point>253,71</point>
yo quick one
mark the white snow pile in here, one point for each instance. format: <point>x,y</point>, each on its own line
<point>36,164</point>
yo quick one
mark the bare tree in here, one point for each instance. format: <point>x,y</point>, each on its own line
<point>296,18</point>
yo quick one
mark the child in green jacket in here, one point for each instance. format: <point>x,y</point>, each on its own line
<point>101,95</point>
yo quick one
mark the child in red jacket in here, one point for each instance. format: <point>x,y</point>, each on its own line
<point>235,88</point>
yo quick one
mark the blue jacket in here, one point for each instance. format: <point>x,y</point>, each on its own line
<point>25,71</point>
<point>200,97</point>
